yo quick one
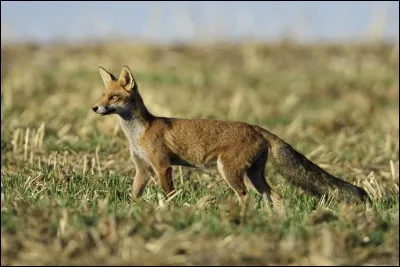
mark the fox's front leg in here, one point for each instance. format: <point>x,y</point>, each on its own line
<point>142,176</point>
<point>165,178</point>
<point>163,171</point>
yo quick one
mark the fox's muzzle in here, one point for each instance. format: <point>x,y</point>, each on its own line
<point>102,110</point>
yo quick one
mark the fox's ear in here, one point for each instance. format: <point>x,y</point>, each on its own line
<point>106,76</point>
<point>126,79</point>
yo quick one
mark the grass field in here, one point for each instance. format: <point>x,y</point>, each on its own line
<point>66,172</point>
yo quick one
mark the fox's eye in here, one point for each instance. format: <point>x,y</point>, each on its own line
<point>113,97</point>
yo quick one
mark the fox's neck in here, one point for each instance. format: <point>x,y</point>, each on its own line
<point>139,114</point>
<point>136,120</point>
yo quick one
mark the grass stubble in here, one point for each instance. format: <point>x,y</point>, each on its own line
<point>66,173</point>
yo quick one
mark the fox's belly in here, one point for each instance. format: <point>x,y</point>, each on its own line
<point>204,163</point>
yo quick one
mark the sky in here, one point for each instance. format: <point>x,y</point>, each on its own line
<point>169,21</point>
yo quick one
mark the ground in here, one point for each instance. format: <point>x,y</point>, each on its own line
<point>66,171</point>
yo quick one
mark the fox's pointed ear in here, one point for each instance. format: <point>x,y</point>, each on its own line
<point>106,76</point>
<point>126,79</point>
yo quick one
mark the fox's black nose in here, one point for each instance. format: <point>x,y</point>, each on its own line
<point>95,108</point>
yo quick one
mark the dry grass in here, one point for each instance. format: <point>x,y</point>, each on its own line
<point>66,172</point>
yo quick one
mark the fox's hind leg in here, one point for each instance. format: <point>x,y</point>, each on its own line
<point>255,174</point>
<point>233,174</point>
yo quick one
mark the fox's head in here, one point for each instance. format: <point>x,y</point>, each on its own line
<point>118,98</point>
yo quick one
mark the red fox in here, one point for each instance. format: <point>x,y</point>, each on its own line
<point>239,150</point>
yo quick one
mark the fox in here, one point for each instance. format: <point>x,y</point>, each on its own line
<point>237,149</point>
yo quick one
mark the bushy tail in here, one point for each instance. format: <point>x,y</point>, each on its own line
<point>301,172</point>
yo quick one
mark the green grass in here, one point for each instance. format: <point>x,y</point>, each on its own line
<point>65,187</point>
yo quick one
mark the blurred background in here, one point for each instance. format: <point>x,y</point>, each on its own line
<point>166,22</point>
<point>318,54</point>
